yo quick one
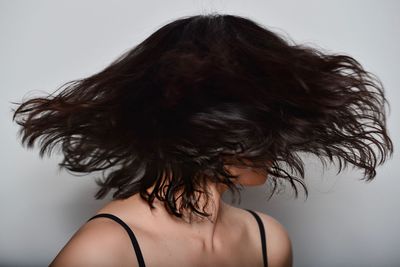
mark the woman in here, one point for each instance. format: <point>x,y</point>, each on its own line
<point>205,104</point>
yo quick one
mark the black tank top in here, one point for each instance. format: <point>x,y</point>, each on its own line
<point>139,254</point>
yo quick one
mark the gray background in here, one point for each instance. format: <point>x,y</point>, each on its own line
<point>344,222</point>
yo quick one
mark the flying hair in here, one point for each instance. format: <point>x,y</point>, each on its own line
<point>206,91</point>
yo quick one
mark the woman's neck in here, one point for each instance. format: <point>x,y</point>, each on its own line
<point>197,227</point>
<point>212,205</point>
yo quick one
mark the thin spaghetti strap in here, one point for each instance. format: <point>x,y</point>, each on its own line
<point>134,241</point>
<point>262,235</point>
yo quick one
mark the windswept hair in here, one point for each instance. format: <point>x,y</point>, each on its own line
<point>204,91</point>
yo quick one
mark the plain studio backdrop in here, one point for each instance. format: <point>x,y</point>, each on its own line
<point>344,222</point>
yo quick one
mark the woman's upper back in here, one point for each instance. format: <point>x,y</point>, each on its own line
<point>105,242</point>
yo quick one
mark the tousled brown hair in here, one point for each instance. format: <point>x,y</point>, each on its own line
<point>204,91</point>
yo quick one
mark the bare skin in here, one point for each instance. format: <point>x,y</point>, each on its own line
<point>230,237</point>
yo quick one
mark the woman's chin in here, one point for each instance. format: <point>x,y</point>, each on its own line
<point>253,181</point>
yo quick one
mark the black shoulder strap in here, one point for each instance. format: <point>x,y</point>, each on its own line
<point>135,243</point>
<point>262,234</point>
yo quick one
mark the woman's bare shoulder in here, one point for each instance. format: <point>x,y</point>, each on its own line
<point>279,246</point>
<point>97,243</point>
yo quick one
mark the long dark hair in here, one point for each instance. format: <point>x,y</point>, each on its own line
<point>204,91</point>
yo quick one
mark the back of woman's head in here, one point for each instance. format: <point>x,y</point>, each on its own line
<point>206,91</point>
